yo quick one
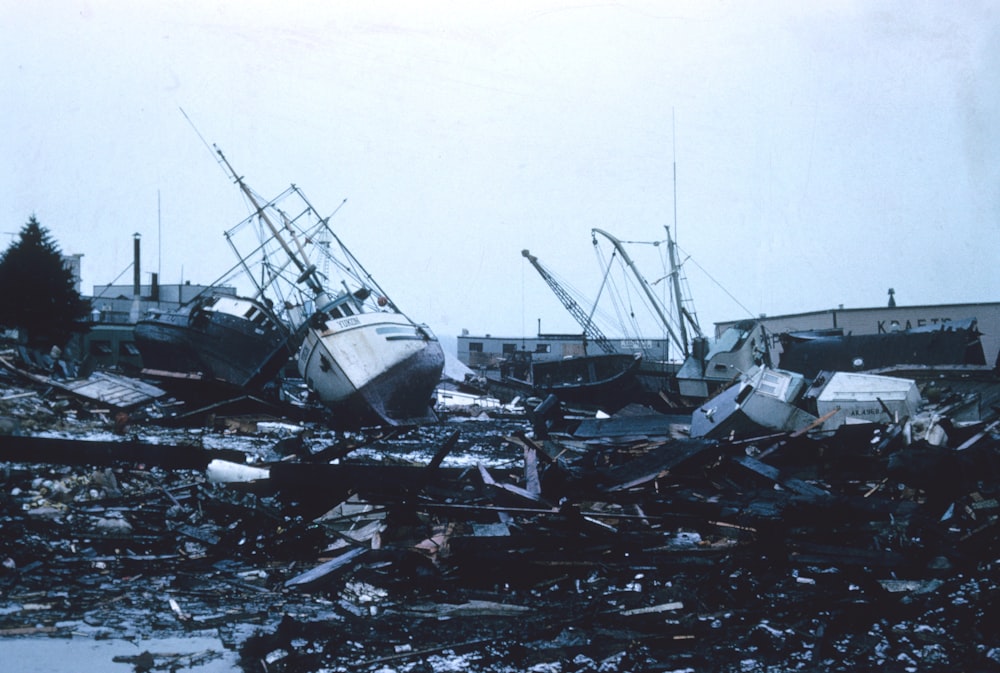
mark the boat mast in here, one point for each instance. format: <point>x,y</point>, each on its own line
<point>657,305</point>
<point>307,271</point>
<point>679,295</point>
<point>675,268</point>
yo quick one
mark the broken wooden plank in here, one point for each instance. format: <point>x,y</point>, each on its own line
<point>323,570</point>
<point>512,489</point>
<point>443,452</point>
<point>531,480</point>
<point>653,464</point>
<point>774,474</point>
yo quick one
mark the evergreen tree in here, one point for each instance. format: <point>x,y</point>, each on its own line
<point>37,293</point>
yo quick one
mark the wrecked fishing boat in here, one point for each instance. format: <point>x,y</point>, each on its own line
<point>768,400</point>
<point>224,341</point>
<point>360,355</point>
<point>607,381</point>
<point>713,365</point>
<point>681,369</point>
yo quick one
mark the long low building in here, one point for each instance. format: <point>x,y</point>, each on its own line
<point>487,351</point>
<point>882,320</point>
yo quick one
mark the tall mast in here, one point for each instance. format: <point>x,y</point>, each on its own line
<point>675,268</point>
<point>672,254</point>
<point>307,271</point>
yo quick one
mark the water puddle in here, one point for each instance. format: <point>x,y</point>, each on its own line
<point>198,654</point>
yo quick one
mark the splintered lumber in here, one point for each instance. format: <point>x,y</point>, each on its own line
<point>774,474</point>
<point>805,553</point>
<point>531,470</point>
<point>653,609</point>
<point>978,436</point>
<point>443,452</point>
<point>386,482</point>
<point>470,608</point>
<point>323,570</point>
<point>654,463</point>
<point>61,451</point>
<point>516,491</point>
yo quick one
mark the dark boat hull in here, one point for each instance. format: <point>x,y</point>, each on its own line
<point>227,341</point>
<point>607,381</point>
<point>949,343</point>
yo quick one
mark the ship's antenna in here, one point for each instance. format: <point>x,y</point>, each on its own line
<point>197,132</point>
<point>673,147</point>
<point>159,236</point>
<point>211,150</point>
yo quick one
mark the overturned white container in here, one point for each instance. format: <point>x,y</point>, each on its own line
<point>865,398</point>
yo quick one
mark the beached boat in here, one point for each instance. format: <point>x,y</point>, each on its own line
<point>229,342</point>
<point>360,355</point>
<point>607,381</point>
<point>767,400</point>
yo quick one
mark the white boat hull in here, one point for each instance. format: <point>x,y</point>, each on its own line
<point>372,368</point>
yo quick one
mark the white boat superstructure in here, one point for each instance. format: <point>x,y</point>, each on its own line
<point>360,355</point>
<point>372,363</point>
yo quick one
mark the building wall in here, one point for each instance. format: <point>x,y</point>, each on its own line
<point>115,303</point>
<point>487,351</point>
<point>111,341</point>
<point>880,320</point>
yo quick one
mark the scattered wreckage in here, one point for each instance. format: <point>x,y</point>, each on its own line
<point>538,544</point>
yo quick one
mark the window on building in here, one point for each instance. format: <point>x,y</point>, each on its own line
<point>128,348</point>
<point>100,347</point>
<point>475,346</point>
<point>509,348</point>
<point>543,348</point>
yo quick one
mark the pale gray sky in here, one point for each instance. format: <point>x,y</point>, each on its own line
<point>825,151</point>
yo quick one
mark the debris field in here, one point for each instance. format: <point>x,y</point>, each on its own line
<point>493,544</point>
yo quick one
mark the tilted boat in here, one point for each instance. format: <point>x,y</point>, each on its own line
<point>227,341</point>
<point>360,355</point>
<point>607,381</point>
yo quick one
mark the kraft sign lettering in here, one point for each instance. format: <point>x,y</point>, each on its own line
<point>886,326</point>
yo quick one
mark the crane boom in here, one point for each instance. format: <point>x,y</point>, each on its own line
<point>590,330</point>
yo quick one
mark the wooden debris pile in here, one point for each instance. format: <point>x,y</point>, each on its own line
<point>873,545</point>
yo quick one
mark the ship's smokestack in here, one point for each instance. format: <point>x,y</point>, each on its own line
<point>136,287</point>
<point>136,284</point>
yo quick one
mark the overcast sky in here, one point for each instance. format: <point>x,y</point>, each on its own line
<point>824,151</point>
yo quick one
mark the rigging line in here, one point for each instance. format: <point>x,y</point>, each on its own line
<point>617,320</point>
<point>604,281</point>
<point>201,137</point>
<point>108,286</point>
<point>620,290</point>
<point>718,284</point>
